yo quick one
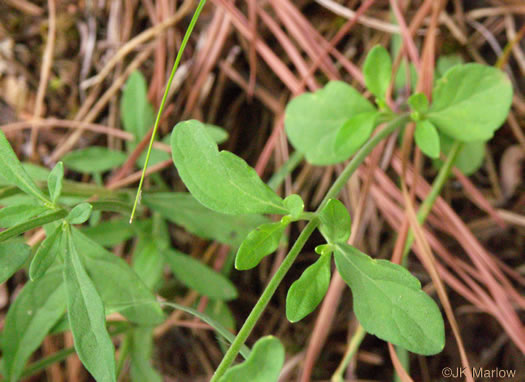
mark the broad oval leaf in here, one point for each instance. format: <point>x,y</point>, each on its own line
<point>263,365</point>
<point>126,293</point>
<point>79,214</point>
<point>418,102</point>
<point>295,205</point>
<point>309,290</point>
<point>94,159</point>
<point>37,308</point>
<point>377,71</point>
<point>11,169</point>
<point>199,277</point>
<point>470,157</point>
<point>46,254</point>
<point>259,243</point>
<point>183,209</point>
<point>313,120</point>
<point>354,133</point>
<point>389,302</point>
<point>110,232</point>
<point>470,102</point>
<point>13,254</point>
<point>87,320</point>
<point>335,222</point>
<point>427,138</point>
<point>219,180</point>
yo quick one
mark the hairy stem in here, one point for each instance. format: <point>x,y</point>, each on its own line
<point>288,261</point>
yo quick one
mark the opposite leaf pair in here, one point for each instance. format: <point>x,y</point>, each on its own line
<point>469,102</point>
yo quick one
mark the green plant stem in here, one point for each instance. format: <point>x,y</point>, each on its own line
<point>32,223</point>
<point>123,353</point>
<point>422,214</point>
<point>288,261</point>
<point>164,98</point>
<point>437,186</point>
<point>353,345</point>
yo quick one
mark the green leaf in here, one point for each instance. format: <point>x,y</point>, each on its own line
<point>46,254</point>
<point>111,232</point>
<point>263,365</point>
<point>136,112</point>
<point>219,180</point>
<point>34,312</point>
<point>309,290</point>
<point>470,102</point>
<point>85,312</point>
<point>335,222</point>
<point>354,133</point>
<point>219,311</point>
<point>54,181</point>
<point>140,353</point>
<point>446,62</point>
<point>199,277</point>
<point>79,214</point>
<point>181,208</point>
<point>14,173</point>
<point>218,134</point>
<point>126,293</point>
<point>259,243</point>
<point>312,120</point>
<point>148,262</point>
<point>377,71</point>
<point>389,302</point>
<point>295,205</point>
<point>19,213</point>
<point>427,138</point>
<point>470,157</point>
<point>94,159</point>
<point>13,254</point>
<point>418,102</point>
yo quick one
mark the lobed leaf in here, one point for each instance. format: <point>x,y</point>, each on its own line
<point>87,320</point>
<point>313,120</point>
<point>389,302</point>
<point>261,242</point>
<point>263,365</point>
<point>219,180</point>
<point>309,290</point>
